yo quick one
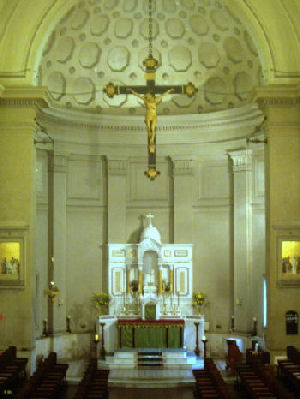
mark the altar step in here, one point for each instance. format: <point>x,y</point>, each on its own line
<point>150,360</point>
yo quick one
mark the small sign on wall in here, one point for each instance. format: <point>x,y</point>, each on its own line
<point>291,320</point>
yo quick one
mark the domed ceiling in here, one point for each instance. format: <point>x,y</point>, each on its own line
<point>102,41</point>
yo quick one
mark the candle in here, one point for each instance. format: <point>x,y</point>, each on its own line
<point>203,338</point>
<point>178,293</point>
<point>254,319</point>
<point>96,337</point>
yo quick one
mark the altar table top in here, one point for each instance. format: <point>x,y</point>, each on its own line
<point>140,323</point>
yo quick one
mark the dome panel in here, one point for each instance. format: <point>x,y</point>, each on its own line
<point>180,58</point>
<point>89,55</point>
<point>99,25</point>
<point>83,90</point>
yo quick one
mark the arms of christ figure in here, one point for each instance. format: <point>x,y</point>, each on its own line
<point>149,95</point>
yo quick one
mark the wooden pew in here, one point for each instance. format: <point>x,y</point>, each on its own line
<point>48,382</point>
<point>12,371</point>
<point>209,382</point>
<point>94,383</point>
<point>288,370</point>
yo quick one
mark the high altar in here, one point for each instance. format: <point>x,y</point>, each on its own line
<point>150,286</point>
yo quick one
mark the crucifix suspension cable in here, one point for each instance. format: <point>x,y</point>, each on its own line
<point>151,94</point>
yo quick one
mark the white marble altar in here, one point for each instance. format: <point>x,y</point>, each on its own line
<point>159,272</point>
<point>189,338</point>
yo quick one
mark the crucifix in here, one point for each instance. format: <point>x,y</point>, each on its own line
<point>152,95</point>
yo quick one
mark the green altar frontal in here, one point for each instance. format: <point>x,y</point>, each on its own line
<point>138,333</point>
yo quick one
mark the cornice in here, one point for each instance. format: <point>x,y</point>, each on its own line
<point>246,115</point>
<point>277,95</point>
<point>24,97</point>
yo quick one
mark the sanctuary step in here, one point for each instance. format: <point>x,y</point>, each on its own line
<point>151,368</point>
<point>150,360</point>
<point>164,358</point>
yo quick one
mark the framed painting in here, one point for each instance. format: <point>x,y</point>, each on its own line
<point>12,264</point>
<point>288,260</point>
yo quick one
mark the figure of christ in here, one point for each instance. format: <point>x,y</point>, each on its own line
<point>151,101</point>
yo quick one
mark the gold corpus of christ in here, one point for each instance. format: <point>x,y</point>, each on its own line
<point>151,95</point>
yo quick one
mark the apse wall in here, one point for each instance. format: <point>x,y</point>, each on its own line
<point>101,195</point>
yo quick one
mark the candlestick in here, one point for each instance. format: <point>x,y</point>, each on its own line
<point>196,350</point>
<point>68,320</point>
<point>103,352</point>
<point>254,329</point>
<point>45,329</point>
<point>232,322</point>
<point>204,340</point>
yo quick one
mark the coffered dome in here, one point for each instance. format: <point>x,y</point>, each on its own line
<point>102,41</point>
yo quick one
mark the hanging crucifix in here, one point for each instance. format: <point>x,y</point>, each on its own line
<point>152,95</point>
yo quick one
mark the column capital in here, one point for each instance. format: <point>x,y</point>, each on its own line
<point>242,160</point>
<point>277,95</point>
<point>24,97</point>
<point>183,167</point>
<point>117,166</point>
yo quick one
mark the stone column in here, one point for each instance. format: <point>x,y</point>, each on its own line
<point>117,192</point>
<point>19,107</point>
<point>281,106</point>
<point>183,200</point>
<point>242,236</point>
<point>59,242</point>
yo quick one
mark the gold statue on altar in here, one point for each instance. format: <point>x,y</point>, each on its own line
<point>151,101</point>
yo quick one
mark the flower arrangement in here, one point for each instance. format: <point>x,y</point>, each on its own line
<point>134,285</point>
<point>199,298</point>
<point>100,298</point>
<point>166,287</point>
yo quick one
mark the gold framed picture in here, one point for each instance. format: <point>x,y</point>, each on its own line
<point>11,262</point>
<point>288,260</point>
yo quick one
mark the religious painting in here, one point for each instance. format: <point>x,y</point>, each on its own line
<point>289,261</point>
<point>182,280</point>
<point>117,281</point>
<point>11,267</point>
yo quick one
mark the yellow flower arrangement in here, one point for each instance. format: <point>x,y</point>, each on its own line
<point>199,298</point>
<point>100,298</point>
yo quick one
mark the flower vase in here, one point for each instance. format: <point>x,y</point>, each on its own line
<point>200,310</point>
<point>102,310</point>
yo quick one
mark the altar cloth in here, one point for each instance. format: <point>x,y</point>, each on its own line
<point>150,333</point>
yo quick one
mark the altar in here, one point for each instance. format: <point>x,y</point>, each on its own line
<point>138,333</point>
<point>150,272</point>
<point>150,290</point>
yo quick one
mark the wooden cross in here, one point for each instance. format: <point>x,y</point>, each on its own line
<point>148,93</point>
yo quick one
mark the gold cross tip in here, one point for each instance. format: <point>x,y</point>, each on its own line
<point>110,90</point>
<point>190,89</point>
<point>150,62</point>
<point>152,173</point>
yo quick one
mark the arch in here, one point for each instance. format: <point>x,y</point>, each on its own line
<point>27,25</point>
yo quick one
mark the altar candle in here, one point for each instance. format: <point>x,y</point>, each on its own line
<point>203,338</point>
<point>178,294</point>
<point>96,337</point>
